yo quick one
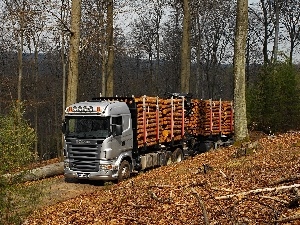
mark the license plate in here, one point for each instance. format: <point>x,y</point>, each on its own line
<point>82,175</point>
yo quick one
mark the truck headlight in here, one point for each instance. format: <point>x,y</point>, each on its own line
<point>107,167</point>
<point>66,164</point>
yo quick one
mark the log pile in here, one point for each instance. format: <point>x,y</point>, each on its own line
<point>154,120</point>
<point>176,115</point>
<point>162,120</point>
<point>216,117</point>
<point>193,120</point>
<point>148,120</point>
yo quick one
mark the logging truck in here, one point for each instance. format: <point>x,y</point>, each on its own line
<point>110,138</point>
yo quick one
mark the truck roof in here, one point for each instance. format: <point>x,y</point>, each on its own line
<point>98,107</point>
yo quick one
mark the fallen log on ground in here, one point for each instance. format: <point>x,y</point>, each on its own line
<point>43,172</point>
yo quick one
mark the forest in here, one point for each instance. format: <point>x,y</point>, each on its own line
<point>147,37</point>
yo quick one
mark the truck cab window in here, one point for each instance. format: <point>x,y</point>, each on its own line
<point>117,127</point>
<point>89,127</point>
<point>117,120</point>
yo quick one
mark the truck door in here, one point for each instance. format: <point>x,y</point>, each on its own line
<point>124,141</point>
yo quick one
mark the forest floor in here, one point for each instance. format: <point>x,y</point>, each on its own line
<point>258,183</point>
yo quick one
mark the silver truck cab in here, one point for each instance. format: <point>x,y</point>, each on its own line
<point>98,139</point>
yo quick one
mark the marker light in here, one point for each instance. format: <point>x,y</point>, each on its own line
<point>81,109</point>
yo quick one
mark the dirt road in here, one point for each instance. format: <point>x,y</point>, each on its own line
<point>56,189</point>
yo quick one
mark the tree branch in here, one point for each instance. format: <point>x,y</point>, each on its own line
<point>194,192</point>
<point>241,194</point>
<point>288,219</point>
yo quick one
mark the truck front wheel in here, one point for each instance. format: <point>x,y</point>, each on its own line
<point>177,155</point>
<point>124,171</point>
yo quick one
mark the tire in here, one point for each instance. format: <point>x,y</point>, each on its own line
<point>169,158</point>
<point>71,180</point>
<point>177,155</point>
<point>124,171</point>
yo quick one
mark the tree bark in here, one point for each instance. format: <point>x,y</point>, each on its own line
<point>240,118</point>
<point>266,31</point>
<point>186,49</point>
<point>74,52</point>
<point>103,51</point>
<point>110,49</point>
<point>275,47</point>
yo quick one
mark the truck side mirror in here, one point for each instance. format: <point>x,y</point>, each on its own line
<point>117,130</point>
<point>63,127</point>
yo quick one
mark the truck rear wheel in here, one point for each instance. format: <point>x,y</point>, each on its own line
<point>169,158</point>
<point>177,155</point>
<point>124,171</point>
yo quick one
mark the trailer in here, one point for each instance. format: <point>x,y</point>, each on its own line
<point>109,138</point>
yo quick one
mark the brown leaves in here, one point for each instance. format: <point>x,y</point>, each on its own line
<point>183,194</point>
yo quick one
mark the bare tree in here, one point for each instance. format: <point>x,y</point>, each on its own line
<point>276,25</point>
<point>170,47</point>
<point>291,22</point>
<point>17,12</point>
<point>64,9</point>
<point>186,49</point>
<point>212,31</point>
<point>144,38</point>
<point>146,33</point>
<point>265,16</point>
<point>74,52</point>
<point>240,117</point>
<point>93,54</point>
<point>110,49</point>
<point>35,30</point>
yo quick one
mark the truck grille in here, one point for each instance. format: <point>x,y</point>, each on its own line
<point>83,157</point>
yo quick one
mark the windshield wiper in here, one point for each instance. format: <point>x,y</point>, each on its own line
<point>92,136</point>
<point>81,135</point>
<point>72,135</point>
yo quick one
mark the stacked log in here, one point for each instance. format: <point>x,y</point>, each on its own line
<point>193,121</point>
<point>163,120</point>
<point>216,117</point>
<point>227,117</point>
<point>173,120</point>
<point>158,120</point>
<point>149,120</point>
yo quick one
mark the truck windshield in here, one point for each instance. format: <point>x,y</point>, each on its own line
<point>87,127</point>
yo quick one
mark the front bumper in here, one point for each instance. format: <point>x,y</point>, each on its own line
<point>102,174</point>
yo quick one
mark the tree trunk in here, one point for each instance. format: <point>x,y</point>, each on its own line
<point>240,119</point>
<point>36,73</point>
<point>20,72</point>
<point>103,67</point>
<point>292,50</point>
<point>20,67</point>
<point>110,49</point>
<point>266,35</point>
<point>186,49</point>
<point>157,71</point>
<point>74,52</point>
<point>199,76</point>
<point>275,47</point>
